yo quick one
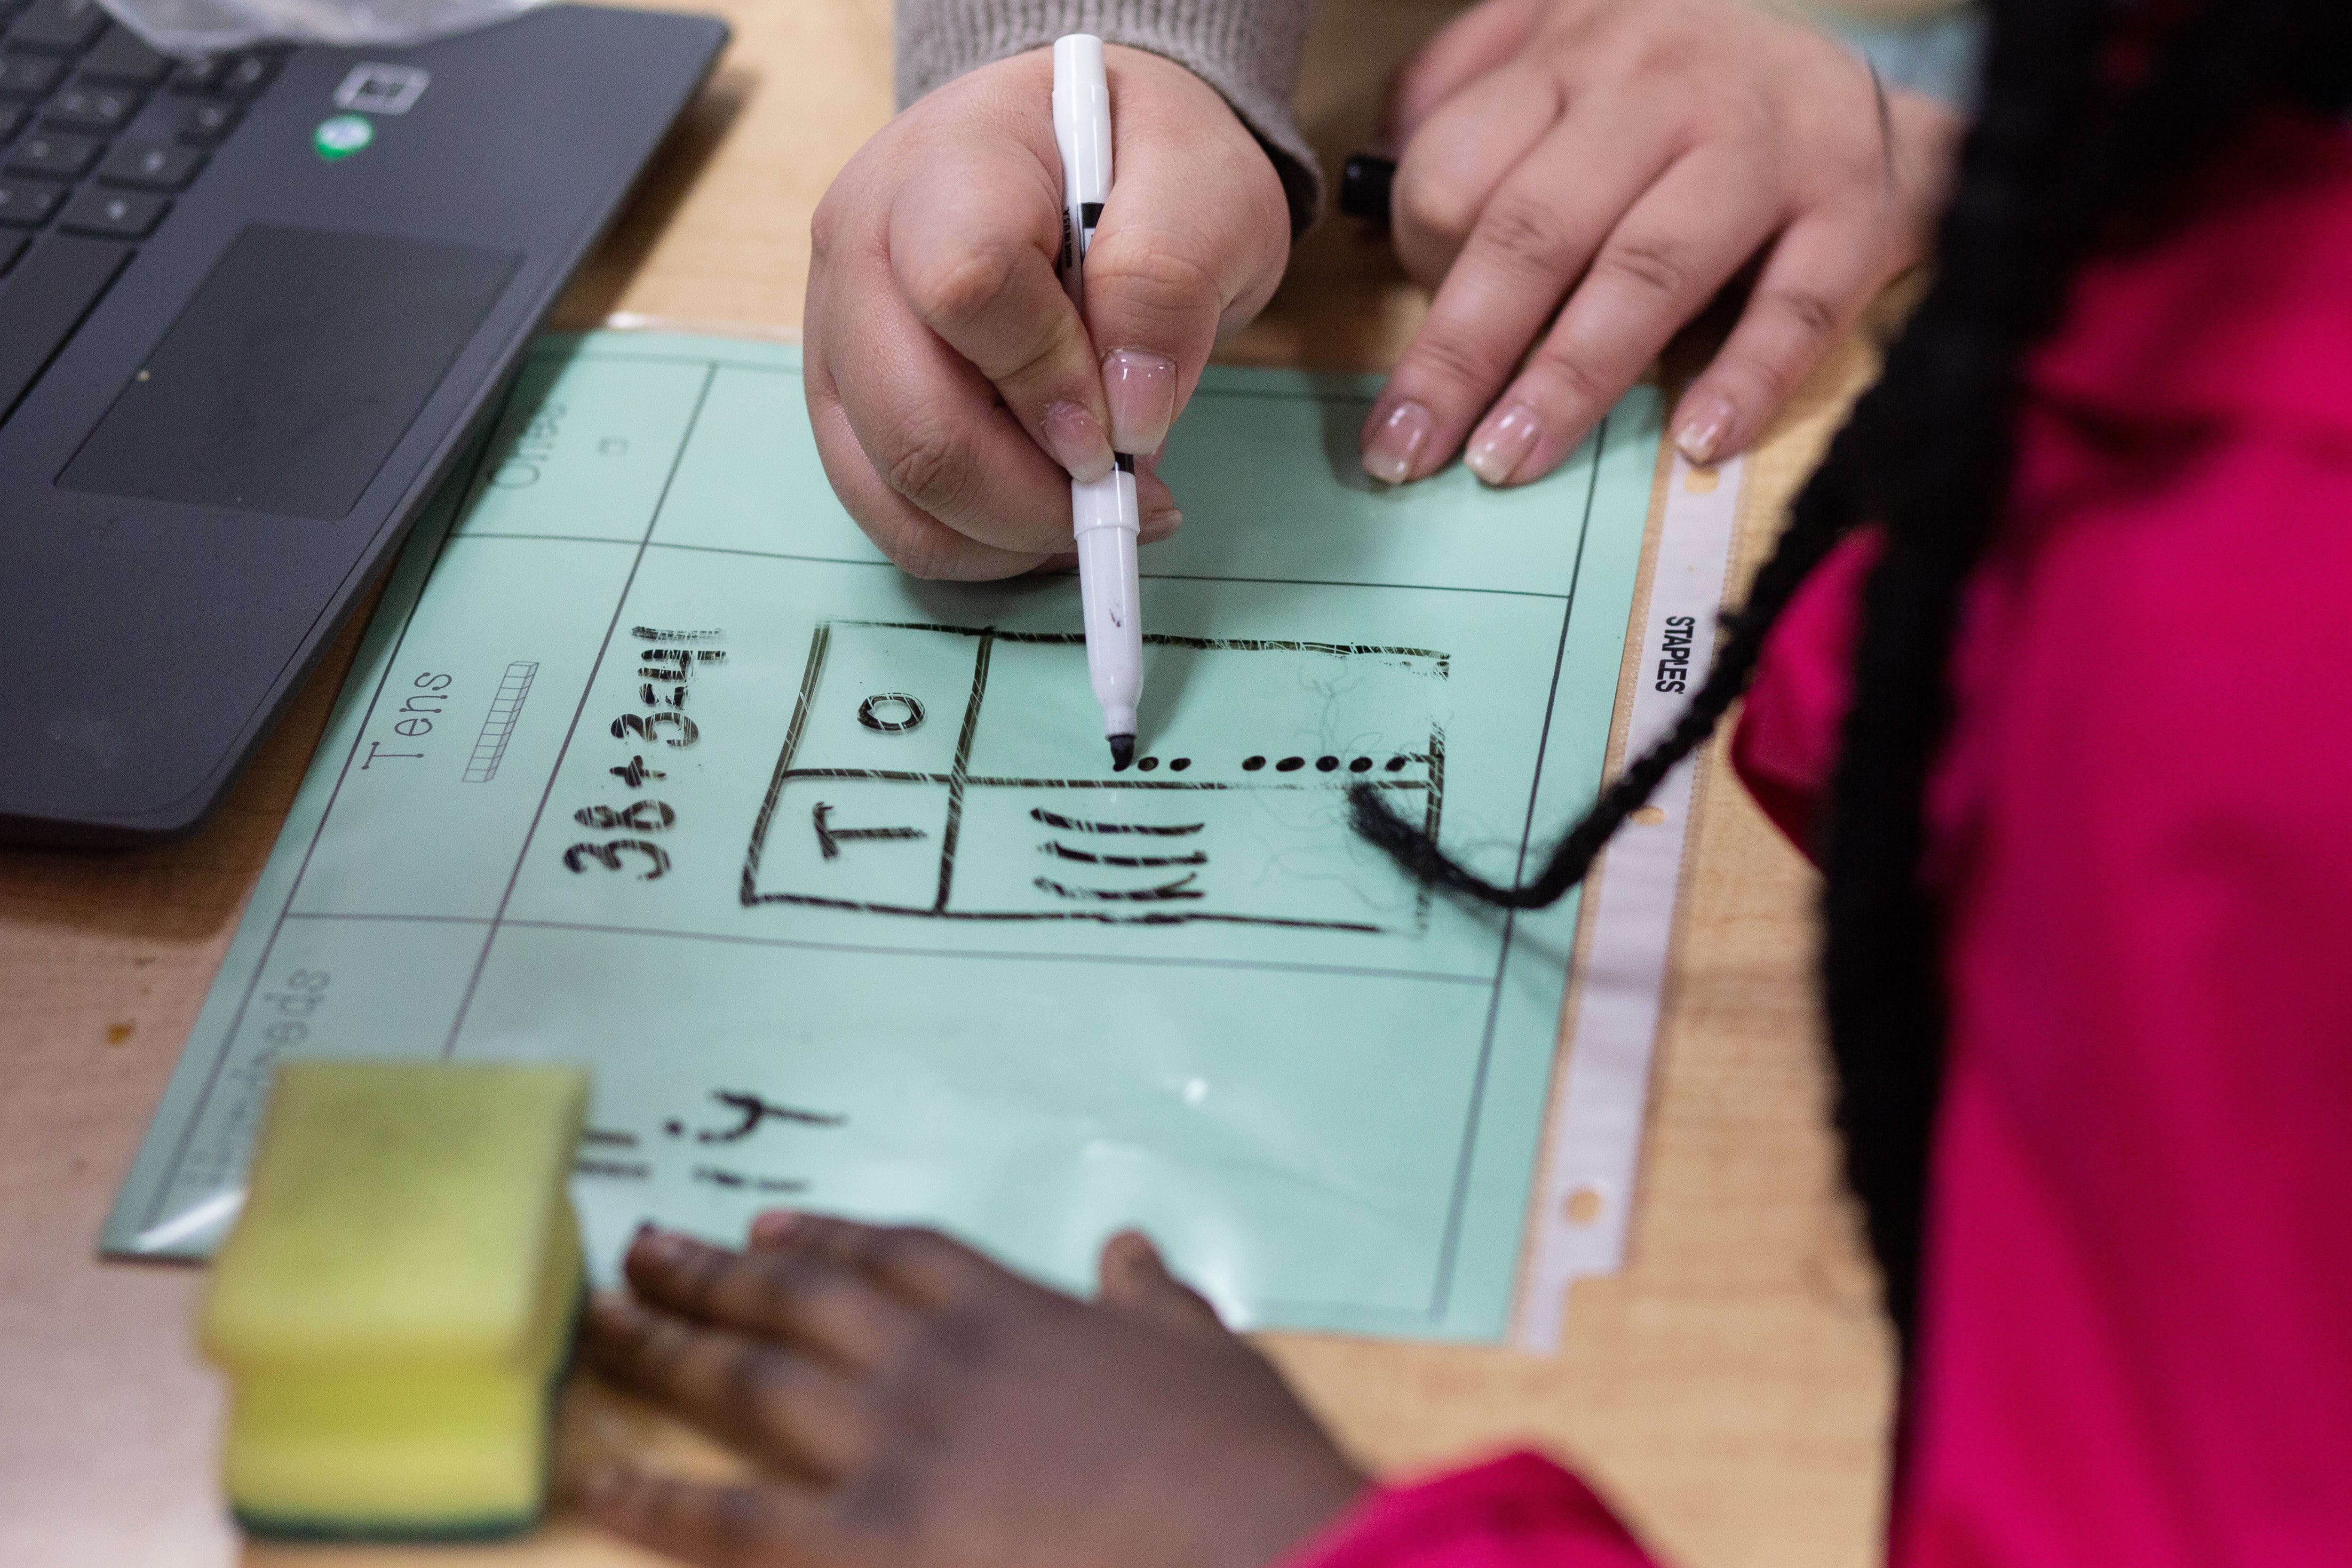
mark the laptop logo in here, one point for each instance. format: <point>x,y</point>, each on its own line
<point>378,88</point>
<point>340,137</point>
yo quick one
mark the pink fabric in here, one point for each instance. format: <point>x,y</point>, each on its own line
<point>1509,1512</point>
<point>1787,742</point>
<point>2135,1341</point>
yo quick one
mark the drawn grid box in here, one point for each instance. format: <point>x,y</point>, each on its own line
<point>895,795</point>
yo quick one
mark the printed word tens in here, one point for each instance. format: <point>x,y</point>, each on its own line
<point>413,720</point>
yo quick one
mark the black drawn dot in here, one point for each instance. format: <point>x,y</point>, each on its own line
<point>1289,765</point>
<point>674,1127</point>
<point>1251,765</point>
<point>1325,764</point>
<point>1179,764</point>
<point>890,712</point>
<point>1147,764</point>
<point>1396,764</point>
<point>1361,765</point>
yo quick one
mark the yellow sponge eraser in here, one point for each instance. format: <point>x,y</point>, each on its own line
<point>395,1306</point>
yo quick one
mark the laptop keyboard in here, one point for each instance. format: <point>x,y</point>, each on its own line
<point>98,135</point>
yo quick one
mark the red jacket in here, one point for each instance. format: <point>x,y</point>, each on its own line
<point>2136,1334</point>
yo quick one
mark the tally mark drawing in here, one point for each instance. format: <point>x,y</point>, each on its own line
<point>902,787</point>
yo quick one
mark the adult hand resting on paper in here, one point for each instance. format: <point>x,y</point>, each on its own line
<point>1629,157</point>
<point>954,390</point>
<point>918,1406</point>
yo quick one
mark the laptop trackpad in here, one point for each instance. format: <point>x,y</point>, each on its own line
<point>293,372</point>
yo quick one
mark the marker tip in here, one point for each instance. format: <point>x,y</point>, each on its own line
<point>1122,753</point>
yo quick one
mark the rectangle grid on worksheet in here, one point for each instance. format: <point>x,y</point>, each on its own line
<point>1130,888</point>
<point>806,832</point>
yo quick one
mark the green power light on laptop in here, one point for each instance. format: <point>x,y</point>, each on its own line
<point>341,136</point>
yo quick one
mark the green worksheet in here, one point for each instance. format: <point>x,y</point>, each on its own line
<point>650,761</point>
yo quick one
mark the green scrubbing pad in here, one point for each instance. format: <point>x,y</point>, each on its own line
<point>395,1305</point>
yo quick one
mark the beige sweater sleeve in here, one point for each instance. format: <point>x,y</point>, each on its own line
<point>1246,50</point>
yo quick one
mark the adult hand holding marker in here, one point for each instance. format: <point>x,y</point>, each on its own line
<point>955,389</point>
<point>1103,516</point>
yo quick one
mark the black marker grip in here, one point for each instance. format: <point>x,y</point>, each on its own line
<point>1364,183</point>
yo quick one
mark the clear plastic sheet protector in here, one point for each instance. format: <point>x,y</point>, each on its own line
<point>649,761</point>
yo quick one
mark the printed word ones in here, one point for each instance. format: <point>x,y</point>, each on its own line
<point>532,449</point>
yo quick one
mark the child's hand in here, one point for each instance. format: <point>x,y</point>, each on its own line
<point>921,1407</point>
<point>954,390</point>
<point>1629,156</point>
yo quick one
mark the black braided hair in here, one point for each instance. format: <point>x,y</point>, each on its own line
<point>1821,516</point>
<point>2091,114</point>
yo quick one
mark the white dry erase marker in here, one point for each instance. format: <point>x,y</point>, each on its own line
<point>1103,514</point>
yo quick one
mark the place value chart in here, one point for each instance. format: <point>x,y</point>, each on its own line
<point>650,761</point>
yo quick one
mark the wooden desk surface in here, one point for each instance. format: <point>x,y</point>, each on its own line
<point>1729,1391</point>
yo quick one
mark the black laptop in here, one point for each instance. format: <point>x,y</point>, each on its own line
<point>250,309</point>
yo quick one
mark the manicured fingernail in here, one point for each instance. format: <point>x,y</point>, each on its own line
<point>1158,525</point>
<point>1077,441</point>
<point>1503,443</point>
<point>1396,443</point>
<point>1142,387</point>
<point>1699,435</point>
